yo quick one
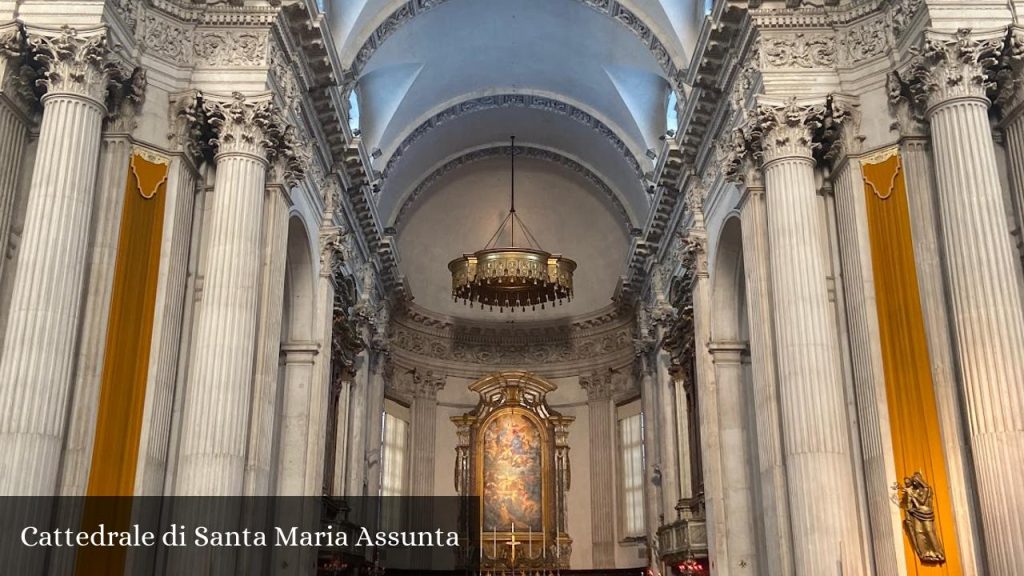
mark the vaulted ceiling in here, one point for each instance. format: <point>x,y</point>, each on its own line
<point>586,80</point>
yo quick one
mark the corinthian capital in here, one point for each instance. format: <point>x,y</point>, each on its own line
<point>16,74</point>
<point>72,61</point>
<point>242,125</point>
<point>1011,74</point>
<point>788,129</point>
<point>954,66</point>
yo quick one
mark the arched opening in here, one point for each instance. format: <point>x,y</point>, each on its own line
<point>295,373</point>
<point>730,354</point>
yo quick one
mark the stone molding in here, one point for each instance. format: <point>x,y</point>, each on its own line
<point>611,8</point>
<point>421,338</point>
<point>521,151</point>
<point>499,101</point>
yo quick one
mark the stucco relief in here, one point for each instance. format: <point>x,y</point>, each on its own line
<point>231,48</point>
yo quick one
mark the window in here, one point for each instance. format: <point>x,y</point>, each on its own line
<point>708,5</point>
<point>672,113</point>
<point>353,111</point>
<point>394,450</point>
<point>631,456</point>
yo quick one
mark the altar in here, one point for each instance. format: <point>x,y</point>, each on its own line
<point>513,455</point>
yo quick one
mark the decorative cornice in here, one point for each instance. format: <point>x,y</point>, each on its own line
<point>521,151</point>
<point>409,10</point>
<point>497,101</point>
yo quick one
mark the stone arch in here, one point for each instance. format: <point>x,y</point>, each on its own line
<point>728,286</point>
<point>299,349</point>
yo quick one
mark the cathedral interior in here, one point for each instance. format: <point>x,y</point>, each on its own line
<point>673,287</point>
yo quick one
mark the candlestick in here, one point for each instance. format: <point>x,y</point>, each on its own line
<point>529,547</point>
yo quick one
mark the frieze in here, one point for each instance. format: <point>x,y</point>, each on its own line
<point>457,342</point>
<point>611,8</point>
<point>864,41</point>
<point>801,50</point>
<point>522,151</point>
<point>167,39</point>
<point>513,101</point>
<point>231,48</point>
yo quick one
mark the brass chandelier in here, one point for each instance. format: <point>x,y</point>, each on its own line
<point>512,277</point>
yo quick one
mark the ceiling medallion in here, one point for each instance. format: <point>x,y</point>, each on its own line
<point>512,277</point>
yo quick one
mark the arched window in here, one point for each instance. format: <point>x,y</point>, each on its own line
<point>353,111</point>
<point>672,113</point>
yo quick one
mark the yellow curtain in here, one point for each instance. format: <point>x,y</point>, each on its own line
<point>115,452</point>
<point>913,415</point>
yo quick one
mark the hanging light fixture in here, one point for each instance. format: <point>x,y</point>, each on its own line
<point>512,277</point>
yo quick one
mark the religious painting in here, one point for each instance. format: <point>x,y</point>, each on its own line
<point>512,474</point>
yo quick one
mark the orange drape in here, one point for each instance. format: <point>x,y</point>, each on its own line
<point>913,415</point>
<point>115,452</point>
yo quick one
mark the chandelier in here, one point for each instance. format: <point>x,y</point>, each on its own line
<point>512,277</point>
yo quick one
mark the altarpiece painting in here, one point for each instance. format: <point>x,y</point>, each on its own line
<point>513,454</point>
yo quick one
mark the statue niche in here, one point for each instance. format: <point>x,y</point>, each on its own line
<point>513,455</point>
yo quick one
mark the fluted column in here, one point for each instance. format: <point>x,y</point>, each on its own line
<point>41,333</point>
<point>424,432</point>
<point>669,453</point>
<point>695,260</point>
<point>813,407</point>
<point>866,358</point>
<point>775,500</point>
<point>357,418</point>
<point>14,121</point>
<point>738,487</point>
<point>988,317</point>
<point>116,151</point>
<point>215,425</point>
<point>268,354</point>
<point>601,415</point>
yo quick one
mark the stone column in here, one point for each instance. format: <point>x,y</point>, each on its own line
<point>424,431</point>
<point>217,404</point>
<point>775,500</point>
<point>258,466</point>
<point>738,486</point>
<point>988,317</point>
<point>112,173</point>
<point>918,171</point>
<point>41,334</point>
<point>15,94</point>
<point>824,512</point>
<point>357,423</point>
<point>601,412</point>
<point>695,261</point>
<point>297,414</point>
<point>668,445</point>
<point>854,243</point>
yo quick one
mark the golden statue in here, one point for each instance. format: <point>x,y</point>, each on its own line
<point>915,496</point>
